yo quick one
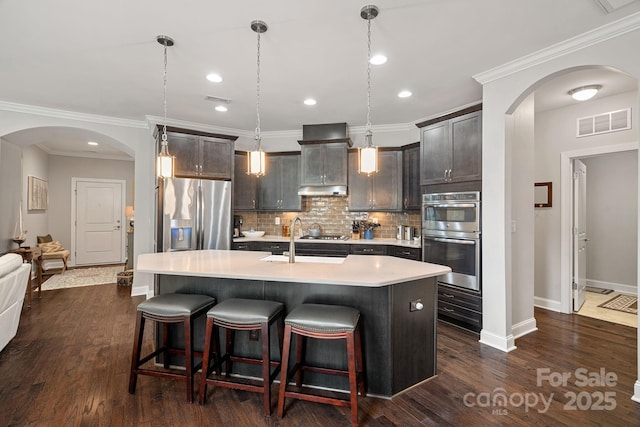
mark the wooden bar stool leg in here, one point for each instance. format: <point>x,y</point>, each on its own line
<point>266,368</point>
<point>284,369</point>
<point>188,356</point>
<point>353,378</point>
<point>135,353</point>
<point>229,350</point>
<point>301,343</point>
<point>359,362</point>
<point>165,345</point>
<point>206,354</point>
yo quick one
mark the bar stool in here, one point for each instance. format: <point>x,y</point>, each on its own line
<point>239,314</point>
<point>327,322</point>
<point>166,309</point>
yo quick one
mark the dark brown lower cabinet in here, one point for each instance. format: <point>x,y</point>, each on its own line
<point>460,307</point>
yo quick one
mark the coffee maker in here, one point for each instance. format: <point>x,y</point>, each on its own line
<point>237,226</point>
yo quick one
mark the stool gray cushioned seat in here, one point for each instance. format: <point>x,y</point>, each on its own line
<point>175,305</point>
<point>323,318</point>
<point>245,311</point>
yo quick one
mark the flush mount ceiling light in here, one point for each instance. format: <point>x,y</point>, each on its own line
<point>256,159</point>
<point>213,77</point>
<point>165,160</point>
<point>309,101</point>
<point>377,59</point>
<point>585,92</point>
<point>368,155</point>
<point>404,94</point>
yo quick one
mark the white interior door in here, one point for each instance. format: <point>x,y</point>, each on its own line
<point>579,234</point>
<point>99,231</point>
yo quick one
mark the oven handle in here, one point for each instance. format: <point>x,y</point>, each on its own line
<point>451,205</point>
<point>461,242</point>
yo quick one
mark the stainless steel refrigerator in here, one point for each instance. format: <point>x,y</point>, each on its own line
<point>196,214</point>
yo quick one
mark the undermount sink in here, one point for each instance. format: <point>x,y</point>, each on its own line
<point>305,259</point>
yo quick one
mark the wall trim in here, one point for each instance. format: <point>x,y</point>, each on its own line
<point>71,115</point>
<point>505,344</point>
<point>523,328</point>
<point>620,287</point>
<point>636,391</point>
<point>581,41</point>
<point>547,304</point>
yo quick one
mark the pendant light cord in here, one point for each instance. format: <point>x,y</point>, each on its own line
<point>258,94</point>
<point>164,95</point>
<point>369,74</point>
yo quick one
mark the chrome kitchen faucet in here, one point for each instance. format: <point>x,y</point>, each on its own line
<point>292,246</point>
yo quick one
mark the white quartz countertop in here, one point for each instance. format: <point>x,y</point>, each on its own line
<point>356,270</point>
<point>378,241</point>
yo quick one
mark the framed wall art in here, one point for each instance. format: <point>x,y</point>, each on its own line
<point>37,194</point>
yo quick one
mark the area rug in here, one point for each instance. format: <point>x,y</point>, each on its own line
<point>598,290</point>
<point>82,277</point>
<point>625,303</point>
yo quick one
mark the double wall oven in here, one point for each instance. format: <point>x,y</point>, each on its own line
<point>451,236</point>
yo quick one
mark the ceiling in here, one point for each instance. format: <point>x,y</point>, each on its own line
<point>103,58</point>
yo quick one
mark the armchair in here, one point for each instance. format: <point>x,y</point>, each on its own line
<point>52,251</point>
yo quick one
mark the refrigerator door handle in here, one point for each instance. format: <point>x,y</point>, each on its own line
<point>200,218</point>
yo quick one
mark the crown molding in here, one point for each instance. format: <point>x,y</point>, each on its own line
<point>443,113</point>
<point>584,40</point>
<point>100,156</point>
<point>70,115</point>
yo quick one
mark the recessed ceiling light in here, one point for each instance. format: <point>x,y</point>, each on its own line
<point>221,108</point>
<point>378,59</point>
<point>92,143</point>
<point>404,94</point>
<point>585,92</point>
<point>213,77</point>
<point>309,101</point>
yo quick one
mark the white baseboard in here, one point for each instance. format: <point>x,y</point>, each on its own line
<point>620,287</point>
<point>505,344</point>
<point>636,392</point>
<point>139,290</point>
<point>523,328</point>
<point>548,304</point>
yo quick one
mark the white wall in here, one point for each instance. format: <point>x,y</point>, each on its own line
<point>61,170</point>
<point>10,190</point>
<point>555,132</point>
<point>35,162</point>
<point>612,220</point>
<point>521,135</point>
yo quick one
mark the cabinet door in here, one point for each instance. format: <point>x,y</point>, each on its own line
<point>466,147</point>
<point>435,153</point>
<point>335,163</point>
<point>290,175</point>
<point>312,164</point>
<point>245,186</point>
<point>269,185</point>
<point>387,183</point>
<point>185,149</point>
<point>411,179</point>
<point>359,186</point>
<point>215,158</point>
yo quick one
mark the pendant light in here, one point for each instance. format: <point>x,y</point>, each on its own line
<point>165,160</point>
<point>368,155</point>
<point>256,158</point>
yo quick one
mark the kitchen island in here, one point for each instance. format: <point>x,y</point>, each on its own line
<point>396,298</point>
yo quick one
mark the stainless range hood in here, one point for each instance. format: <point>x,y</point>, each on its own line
<point>319,134</point>
<point>323,190</point>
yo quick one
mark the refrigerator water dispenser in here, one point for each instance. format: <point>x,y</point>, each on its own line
<point>181,235</point>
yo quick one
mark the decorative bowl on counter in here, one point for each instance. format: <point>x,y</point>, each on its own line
<point>253,233</point>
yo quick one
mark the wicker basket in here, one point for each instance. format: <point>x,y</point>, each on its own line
<point>125,278</point>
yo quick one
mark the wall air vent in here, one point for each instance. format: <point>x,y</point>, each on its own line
<point>604,123</point>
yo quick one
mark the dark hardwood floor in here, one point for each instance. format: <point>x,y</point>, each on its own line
<point>69,366</point>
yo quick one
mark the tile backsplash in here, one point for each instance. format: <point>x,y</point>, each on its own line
<point>333,216</point>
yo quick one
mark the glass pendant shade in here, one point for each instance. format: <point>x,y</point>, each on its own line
<point>257,162</point>
<point>165,163</point>
<point>368,156</point>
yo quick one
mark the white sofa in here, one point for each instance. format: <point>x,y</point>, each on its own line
<point>14,276</point>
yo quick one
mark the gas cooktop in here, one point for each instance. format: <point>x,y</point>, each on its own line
<point>325,237</point>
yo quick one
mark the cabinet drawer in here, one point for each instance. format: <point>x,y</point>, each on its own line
<point>244,246</point>
<point>322,249</point>
<point>368,249</point>
<point>461,314</point>
<point>276,248</point>
<point>408,253</point>
<point>469,300</point>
